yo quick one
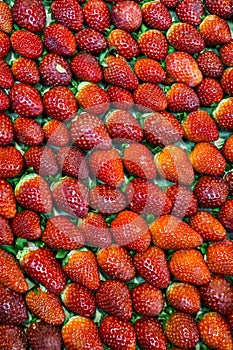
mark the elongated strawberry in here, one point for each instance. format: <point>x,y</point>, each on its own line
<point>223,114</point>
<point>93,98</point>
<point>120,98</point>
<point>221,8</point>
<point>149,71</point>
<point>190,11</point>
<point>86,67</point>
<point>72,161</point>
<point>42,335</point>
<point>226,81</point>
<point>28,131</point>
<point>59,40</point>
<point>5,45</point>
<point>29,14</point>
<point>150,98</point>
<point>5,18</point>
<point>27,44</point>
<point>13,337</point>
<point>69,13</point>
<point>97,15</point>
<point>156,15</point>
<point>226,53</point>
<point>6,130</point>
<point>215,30</point>
<point>150,334</point>
<point>42,159</point>
<point>107,199</point>
<point>55,70</point>
<point>147,300</point>
<point>184,297</point>
<point>4,100</point>
<point>8,202</point>
<point>182,98</point>
<point>91,41</point>
<point>124,43</point>
<point>25,71</point>
<point>126,15</point>
<point>184,202</point>
<point>225,215</point>
<point>11,162</point>
<point>210,64</point>
<point>6,77</point>
<point>153,44</point>
<point>6,234</point>
<point>26,224</point>
<point>209,91</point>
<point>56,133</point>
<point>219,258</point>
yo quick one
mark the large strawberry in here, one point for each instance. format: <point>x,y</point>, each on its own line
<point>42,159</point>
<point>223,114</point>
<point>210,64</point>
<point>190,11</point>
<point>5,45</point>
<point>55,70</point>
<point>215,30</point>
<point>149,71</point>
<point>226,53</point>
<point>153,44</point>
<point>59,40</point>
<point>209,92</point>
<point>29,14</point>
<point>28,131</point>
<point>90,41</point>
<point>184,297</point>
<point>156,15</point>
<point>150,98</point>
<point>182,98</point>
<point>219,258</point>
<point>126,15</point>
<point>69,13</point>
<point>6,77</point>
<point>6,234</point>
<point>150,334</point>
<point>93,98</point>
<point>97,15</point>
<point>225,215</point>
<point>8,202</point>
<point>26,224</point>
<point>86,67</point>
<point>72,161</point>
<point>26,71</point>
<point>13,337</point>
<point>5,18</point>
<point>147,300</point>
<point>41,336</point>
<point>27,44</point>
<point>123,43</point>
<point>184,202</point>
<point>11,162</point>
<point>56,133</point>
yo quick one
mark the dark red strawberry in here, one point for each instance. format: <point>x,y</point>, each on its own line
<point>215,30</point>
<point>56,133</point>
<point>226,53</point>
<point>26,224</point>
<point>4,100</point>
<point>149,71</point>
<point>226,81</point>
<point>124,43</point>
<point>120,98</point>
<point>5,45</point>
<point>13,337</point>
<point>210,64</point>
<point>190,11</point>
<point>229,180</point>
<point>221,8</point>
<point>209,91</point>
<point>219,258</point>
<point>223,114</point>
<point>28,131</point>
<point>59,40</point>
<point>55,70</point>
<point>8,202</point>
<point>184,202</point>
<point>5,18</point>
<point>126,15</point>
<point>69,13</point>
<point>11,162</point>
<point>41,336</point>
<point>27,44</point>
<point>6,130</point>
<point>150,98</point>
<point>150,334</point>
<point>86,67</point>
<point>6,76</point>
<point>225,214</point>
<point>156,15</point>
<point>91,41</point>
<point>42,159</point>
<point>93,98</point>
<point>97,15</point>
<point>29,14</point>
<point>147,300</point>
<point>25,71</point>
<point>184,297</point>
<point>170,3</point>
<point>72,162</point>
<point>6,235</point>
<point>153,44</point>
<point>182,98</point>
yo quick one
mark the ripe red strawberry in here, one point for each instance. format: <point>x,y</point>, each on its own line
<point>153,44</point>
<point>184,202</point>
<point>42,159</point>
<point>182,98</point>
<point>86,67</point>
<point>56,133</point>
<point>4,45</point>
<point>222,9</point>
<point>156,15</point>
<point>13,337</point>
<point>25,71</point>
<point>189,266</point>
<point>207,226</point>
<point>6,129</point>
<point>181,330</point>
<point>89,132</point>
<point>11,162</point>
<point>41,336</point>
<point>27,44</point>
<point>229,180</point>
<point>120,98</point>
<point>152,266</point>
<point>4,100</point>
<point>10,273</point>
<point>82,332</point>
<point>117,334</point>
<point>118,72</point>
<point>72,162</point>
<point>226,81</point>
<point>29,14</point>
<point>215,332</point>
<point>107,199</point>
<point>69,13</point>
<point>210,64</point>
<point>126,15</point>
<point>170,3</point>
<point>8,202</point>
<point>226,53</point>
<point>230,321</point>
<point>219,258</point>
<point>190,11</point>
<point>97,15</point>
<point>28,131</point>
<point>150,334</point>
<point>123,43</point>
<point>148,70</point>
<point>59,40</point>
<point>215,30</point>
<point>211,191</point>
<point>26,224</point>
<point>209,91</point>
<point>174,165</point>
<point>55,70</point>
<point>71,196</point>
<point>91,41</point>
<point>147,300</point>
<point>150,97</point>
<point>26,100</point>
<point>6,235</point>
<point>223,114</point>
<point>82,268</point>
<point>93,98</point>
<point>225,215</point>
<point>5,18</point>
<point>184,297</point>
<point>117,262</point>
<point>6,76</point>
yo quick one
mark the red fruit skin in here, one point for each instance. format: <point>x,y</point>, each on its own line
<point>72,161</point>
<point>153,44</point>
<point>126,15</point>
<point>93,98</point>
<point>86,67</point>
<point>223,8</point>
<point>150,334</point>
<point>59,40</point>
<point>223,114</point>
<point>150,98</point>
<point>5,18</point>
<point>4,45</point>
<point>184,202</point>
<point>210,64</point>
<point>25,71</point>
<point>120,98</point>
<point>190,11</point>
<point>6,130</point>
<point>229,180</point>
<point>230,321</point>
<point>156,15</point>
<point>42,159</point>
<point>225,215</point>
<point>28,131</point>
<point>69,13</point>
<point>97,15</point>
<point>13,337</point>
<point>56,133</point>
<point>226,81</point>
<point>169,3</point>
<point>4,100</point>
<point>124,43</point>
<point>90,41</point>
<point>6,77</point>
<point>26,100</point>
<point>8,202</point>
<point>209,91</point>
<point>41,336</point>
<point>55,70</point>
<point>29,14</point>
<point>147,300</point>
<point>27,44</point>
<point>219,258</point>
<point>6,235</point>
<point>149,71</point>
<point>227,149</point>
<point>184,297</point>
<point>226,53</point>
<point>215,31</point>
<point>182,98</point>
<point>26,224</point>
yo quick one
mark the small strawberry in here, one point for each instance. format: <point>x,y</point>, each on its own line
<point>107,199</point>
<point>124,43</point>
<point>182,98</point>
<point>126,15</point>
<point>56,133</point>
<point>59,40</point>
<point>209,91</point>
<point>86,67</point>
<point>97,15</point>
<point>225,215</point>
<point>42,159</point>
<point>150,334</point>
<point>6,235</point>
<point>4,100</point>
<point>6,76</point>
<point>29,14</point>
<point>153,44</point>
<point>28,131</point>
<point>210,64</point>
<point>6,129</point>
<point>93,98</point>
<point>27,44</point>
<point>219,258</point>
<point>221,8</point>
<point>5,45</point>
<point>13,337</point>
<point>150,98</point>
<point>5,18</point>
<point>184,297</point>
<point>26,224</point>
<point>226,53</point>
<point>8,202</point>
<point>215,30</point>
<point>72,162</point>
<point>149,71</point>
<point>226,81</point>
<point>190,11</point>
<point>69,13</point>
<point>90,41</point>
<point>223,114</point>
<point>156,15</point>
<point>147,300</point>
<point>55,70</point>
<point>42,335</point>
<point>11,162</point>
<point>25,71</point>
<point>120,98</point>
<point>184,202</point>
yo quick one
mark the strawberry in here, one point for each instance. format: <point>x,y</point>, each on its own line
<point>8,202</point>
<point>211,191</point>
<point>71,196</point>
<point>5,18</point>
<point>41,336</point>
<point>4,100</point>
<point>138,160</point>
<point>26,224</point>
<point>152,266</point>
<point>226,53</point>
<point>124,127</point>
<point>190,11</point>
<point>91,41</point>
<point>116,262</point>
<point>89,132</point>
<point>207,226</point>
<point>61,233</point>
<point>185,37</point>
<point>93,98</point>
<point>56,133</point>
<point>27,44</point>
<point>184,202</point>
<point>229,180</point>
<point>6,235</point>
<point>117,334</point>
<point>33,193</point>
<point>222,9</point>
<point>4,45</point>
<point>10,273</point>
<point>42,160</point>
<point>118,72</point>
<point>114,298</point>
<point>170,3</point>
<point>215,30</point>
<point>79,300</point>
<point>26,100</point>
<point>6,129</point>
<point>150,334</point>
<point>209,91</point>
<point>219,258</point>
<point>97,15</point>
<point>72,161</point>
<point>81,267</point>
<point>153,44</point>
<point>28,131</point>
<point>69,13</point>
<point>182,98</point>
<point>81,333</point>
<point>156,15</point>
<point>59,40</point>
<point>215,332</point>
<point>95,230</point>
<point>200,127</point>
<point>147,300</point>
<point>11,162</point>
<point>183,68</point>
<point>120,98</point>
<point>126,15</point>
<point>86,67</point>
<point>189,266</point>
<point>223,114</point>
<point>46,306</point>
<point>150,97</point>
<point>107,199</point>
<point>225,215</point>
<point>229,321</point>
<point>6,76</point>
<point>174,165</point>
<point>123,43</point>
<point>226,81</point>
<point>29,14</point>
<point>181,330</point>
<point>55,70</point>
<point>13,337</point>
<point>12,307</point>
<point>149,71</point>
<point>210,64</point>
<point>107,166</point>
<point>184,297</point>
<point>25,71</point>
<point>41,265</point>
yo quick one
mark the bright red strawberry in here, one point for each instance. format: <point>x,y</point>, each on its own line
<point>184,202</point>
<point>226,81</point>
<point>4,45</point>
<point>153,44</point>
<point>226,53</point>
<point>42,159</point>
<point>56,133</point>
<point>55,70</point>
<point>147,300</point>
<point>6,235</point>
<point>6,76</point>
<point>59,40</point>
<point>6,129</point>
<point>223,114</point>
<point>26,100</point>
<point>97,15</point>
<point>107,199</point>
<point>123,43</point>
<point>156,15</point>
<point>152,266</point>
<point>120,98</point>
<point>8,202</point>
<point>219,258</point>
<point>12,307</point>
<point>86,67</point>
<point>72,161</point>
<point>215,30</point>
<point>209,91</point>
<point>90,41</point>
<point>190,11</point>
<point>5,18</point>
<point>150,334</point>
<point>42,335</point>
<point>93,98</point>
<point>28,131</point>
<point>225,215</point>
<point>13,337</point>
<point>149,71</point>
<point>27,44</point>
<point>210,64</point>
<point>11,162</point>
<point>170,3</point>
<point>69,13</point>
<point>25,71</point>
<point>4,100</point>
<point>182,98</point>
<point>126,15</point>
<point>26,224</point>
<point>81,267</point>
<point>221,8</point>
<point>184,297</point>
<point>150,97</point>
<point>29,14</point>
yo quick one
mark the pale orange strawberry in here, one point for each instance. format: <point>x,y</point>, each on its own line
<point>182,98</point>
<point>215,30</point>
<point>223,114</point>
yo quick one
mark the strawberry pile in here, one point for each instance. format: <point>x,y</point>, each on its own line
<point>116,176</point>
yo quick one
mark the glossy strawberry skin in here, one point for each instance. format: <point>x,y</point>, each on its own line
<point>4,101</point>
<point>73,163</point>
<point>120,98</point>
<point>6,78</point>
<point>97,15</point>
<point>149,71</point>
<point>156,15</point>
<point>153,44</point>
<point>26,100</point>
<point>190,11</point>
<point>225,215</point>
<point>13,337</point>
<point>6,234</point>
<point>93,98</point>
<point>69,13</point>
<point>150,98</point>
<point>27,44</point>
<point>210,64</point>
<point>25,71</point>
<point>55,70</point>
<point>150,334</point>
<point>26,224</point>
<point>226,81</point>
<point>41,336</point>
<point>184,297</point>
<point>182,98</point>
<point>223,114</point>
<point>6,130</point>
<point>126,15</point>
<point>8,202</point>
<point>184,202</point>
<point>219,258</point>
<point>90,41</point>
<point>209,91</point>
<point>226,53</point>
<point>29,14</point>
<point>147,300</point>
<point>86,67</point>
<point>215,30</point>
<point>56,133</point>
<point>59,40</point>
<point>107,199</point>
<point>5,45</point>
<point>5,18</point>
<point>124,43</point>
<point>221,8</point>
<point>42,159</point>
<point>28,131</point>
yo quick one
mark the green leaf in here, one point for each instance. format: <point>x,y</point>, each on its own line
<point>10,249</point>
<point>21,243</point>
<point>61,254</point>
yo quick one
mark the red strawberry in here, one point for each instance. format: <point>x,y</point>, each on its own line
<point>126,15</point>
<point>91,41</point>
<point>117,262</point>
<point>93,98</point>
<point>28,131</point>
<point>120,98</point>
<point>209,91</point>
<point>6,235</point>
<point>41,336</point>
<point>190,11</point>
<point>219,258</point>
<point>81,267</point>
<point>117,334</point>
<point>12,307</point>
<point>97,15</point>
<point>184,202</point>
<point>184,297</point>
<point>69,13</point>
<point>182,98</point>
<point>79,300</point>
<point>72,161</point>
<point>8,202</point>
<point>229,180</point>
<point>170,3</point>
<point>156,15</point>
<point>4,100</point>
<point>42,160</point>
<point>27,44</point>
<point>147,300</point>
<point>81,333</point>
<point>123,43</point>
<point>55,70</point>
<point>230,321</point>
<point>29,14</point>
<point>6,76</point>
<point>226,53</point>
<point>189,266</point>
<point>107,199</point>
<point>152,266</point>
<point>4,45</point>
<point>215,30</point>
<point>5,18</point>
<point>10,273</point>
<point>6,129</point>
<point>181,330</point>
<point>149,71</point>
<point>226,81</point>
<point>71,196</point>
<point>153,44</point>
<point>86,67</point>
<point>56,133</point>
<point>223,114</point>
<point>150,97</point>
<point>150,334</point>
<point>210,64</point>
<point>11,162</point>
<point>26,224</point>
<point>59,40</point>
<point>222,8</point>
<point>26,100</point>
<point>225,215</point>
<point>25,71</point>
<point>13,337</point>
